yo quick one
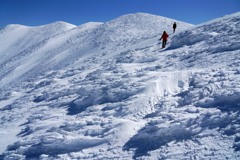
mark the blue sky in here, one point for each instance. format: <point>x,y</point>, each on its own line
<point>39,12</point>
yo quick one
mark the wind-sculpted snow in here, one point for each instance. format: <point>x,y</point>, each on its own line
<point>131,101</point>
<point>217,36</point>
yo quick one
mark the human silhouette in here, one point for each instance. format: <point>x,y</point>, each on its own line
<point>164,39</point>
<point>174,27</point>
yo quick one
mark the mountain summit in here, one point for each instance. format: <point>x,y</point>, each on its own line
<point>108,91</point>
<point>133,28</point>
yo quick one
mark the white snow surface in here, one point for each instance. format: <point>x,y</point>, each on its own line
<point>108,90</point>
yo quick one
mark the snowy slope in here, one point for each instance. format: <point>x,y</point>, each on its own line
<point>28,52</point>
<point>17,38</point>
<point>120,96</point>
<point>19,42</point>
<point>133,28</point>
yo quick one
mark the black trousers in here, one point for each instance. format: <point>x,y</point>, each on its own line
<point>164,42</point>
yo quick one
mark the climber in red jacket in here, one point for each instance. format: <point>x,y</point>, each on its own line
<point>164,38</point>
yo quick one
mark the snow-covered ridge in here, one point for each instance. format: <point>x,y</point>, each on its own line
<point>212,33</point>
<point>17,38</point>
<point>55,25</point>
<point>230,16</point>
<point>14,26</point>
<point>57,45</point>
<point>58,25</point>
<point>127,99</point>
<point>18,42</point>
<point>133,28</point>
<point>90,25</point>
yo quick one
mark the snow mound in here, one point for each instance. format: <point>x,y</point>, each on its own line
<point>14,26</point>
<point>133,28</point>
<point>60,25</point>
<point>90,25</point>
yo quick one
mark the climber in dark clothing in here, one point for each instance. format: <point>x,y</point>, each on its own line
<point>164,38</point>
<point>174,27</point>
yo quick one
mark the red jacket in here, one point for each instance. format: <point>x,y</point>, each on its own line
<point>164,36</point>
